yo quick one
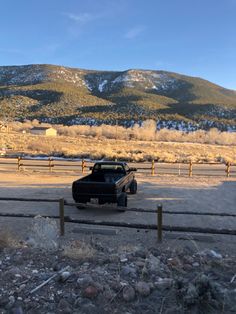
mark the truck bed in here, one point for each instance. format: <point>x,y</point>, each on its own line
<point>106,177</point>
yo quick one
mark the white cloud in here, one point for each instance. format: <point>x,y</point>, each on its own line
<point>81,18</point>
<point>134,32</point>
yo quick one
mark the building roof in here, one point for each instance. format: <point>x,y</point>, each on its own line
<point>42,128</point>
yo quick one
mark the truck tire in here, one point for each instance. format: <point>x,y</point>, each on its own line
<point>101,201</point>
<point>82,201</point>
<point>133,187</point>
<point>122,202</point>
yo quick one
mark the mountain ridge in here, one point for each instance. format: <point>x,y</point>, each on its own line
<point>68,95</point>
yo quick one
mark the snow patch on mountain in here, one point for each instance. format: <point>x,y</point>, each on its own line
<point>88,85</point>
<point>102,85</point>
<point>12,75</point>
<point>146,80</point>
<point>33,74</point>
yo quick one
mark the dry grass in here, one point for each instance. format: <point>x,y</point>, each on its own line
<point>7,240</point>
<point>101,142</point>
<point>146,132</point>
<point>79,250</point>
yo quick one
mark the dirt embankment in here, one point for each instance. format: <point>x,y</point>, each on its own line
<point>89,277</point>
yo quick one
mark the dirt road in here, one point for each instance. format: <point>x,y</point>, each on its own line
<point>175,193</point>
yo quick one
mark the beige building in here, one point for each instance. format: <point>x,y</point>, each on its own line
<point>42,130</point>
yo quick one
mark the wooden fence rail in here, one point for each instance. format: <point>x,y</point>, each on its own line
<point>153,168</point>
<point>159,214</point>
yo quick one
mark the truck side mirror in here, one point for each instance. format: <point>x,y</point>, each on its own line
<point>90,168</point>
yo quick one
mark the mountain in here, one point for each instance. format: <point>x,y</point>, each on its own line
<point>59,94</point>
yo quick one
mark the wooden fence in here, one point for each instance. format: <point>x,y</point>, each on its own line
<point>153,167</point>
<point>159,227</point>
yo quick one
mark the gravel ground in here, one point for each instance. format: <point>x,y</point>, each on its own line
<point>44,275</point>
<point>117,270</point>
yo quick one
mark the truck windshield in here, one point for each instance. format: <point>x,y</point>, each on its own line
<point>108,167</point>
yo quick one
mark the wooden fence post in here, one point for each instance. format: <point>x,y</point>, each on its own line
<point>62,218</point>
<point>153,168</point>
<point>83,165</point>
<point>190,173</point>
<point>227,169</point>
<point>50,160</point>
<point>159,223</point>
<point>179,170</point>
<point>18,163</point>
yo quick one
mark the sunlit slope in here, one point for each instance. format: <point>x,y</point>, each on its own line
<point>60,94</point>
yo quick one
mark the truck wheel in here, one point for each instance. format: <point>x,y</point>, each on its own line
<point>122,202</point>
<point>133,187</point>
<point>82,201</point>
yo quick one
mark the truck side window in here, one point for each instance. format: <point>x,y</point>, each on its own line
<point>96,168</point>
<point>126,168</point>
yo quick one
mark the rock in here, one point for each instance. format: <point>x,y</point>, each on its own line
<point>64,276</point>
<point>187,267</point>
<point>22,287</point>
<point>144,307</point>
<point>3,301</point>
<point>102,260</point>
<point>189,259</point>
<point>211,253</point>
<point>174,262</point>
<point>114,258</point>
<point>129,271</point>
<point>90,292</point>
<point>35,271</point>
<point>84,280</point>
<point>86,264</point>
<point>108,294</point>
<point>11,273</point>
<point>143,288</point>
<point>17,310</point>
<point>140,253</point>
<point>195,264</point>
<point>89,309</point>
<point>64,307</point>
<point>174,310</point>
<point>100,271</point>
<point>191,295</point>
<point>11,302</point>
<point>163,283</point>
<point>153,263</point>
<point>12,299</point>
<point>85,306</point>
<point>154,251</point>
<point>215,254</point>
<point>145,272</point>
<point>128,293</point>
<point>57,266</point>
<point>110,250</point>
<point>116,285</point>
<point>99,286</point>
<point>140,263</point>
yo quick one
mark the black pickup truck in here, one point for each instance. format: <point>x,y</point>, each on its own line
<point>108,183</point>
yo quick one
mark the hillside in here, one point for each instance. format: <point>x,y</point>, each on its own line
<point>59,94</point>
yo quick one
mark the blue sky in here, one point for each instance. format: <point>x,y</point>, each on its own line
<point>192,37</point>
